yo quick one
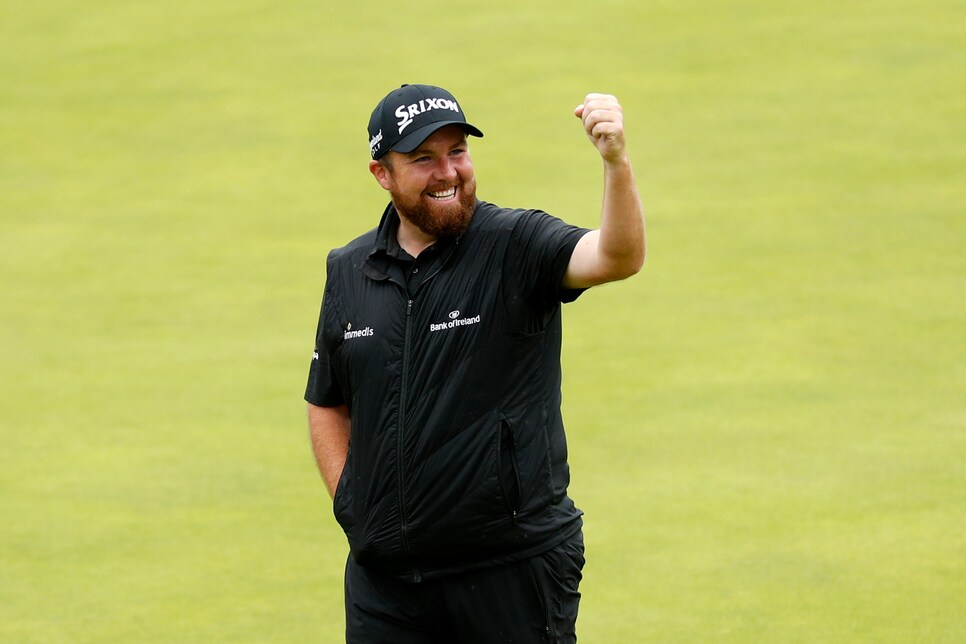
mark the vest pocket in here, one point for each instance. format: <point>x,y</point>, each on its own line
<point>508,473</point>
<point>342,501</point>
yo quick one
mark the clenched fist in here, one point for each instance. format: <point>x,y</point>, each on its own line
<point>603,121</point>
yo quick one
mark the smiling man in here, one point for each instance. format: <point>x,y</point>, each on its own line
<point>434,390</point>
<point>432,187</point>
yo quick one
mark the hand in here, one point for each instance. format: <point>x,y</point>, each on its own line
<point>603,121</point>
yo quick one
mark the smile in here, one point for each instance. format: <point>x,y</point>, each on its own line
<point>444,194</point>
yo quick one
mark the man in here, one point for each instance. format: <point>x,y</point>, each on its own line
<point>434,391</point>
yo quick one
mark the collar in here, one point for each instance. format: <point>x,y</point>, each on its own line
<point>385,242</point>
<point>385,250</point>
<point>387,245</point>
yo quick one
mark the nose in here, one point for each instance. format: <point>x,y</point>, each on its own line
<point>445,169</point>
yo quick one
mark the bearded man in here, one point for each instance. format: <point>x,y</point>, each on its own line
<point>434,390</point>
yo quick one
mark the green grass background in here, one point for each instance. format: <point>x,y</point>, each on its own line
<point>766,426</point>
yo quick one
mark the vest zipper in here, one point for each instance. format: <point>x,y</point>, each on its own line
<point>417,576</point>
<point>400,465</point>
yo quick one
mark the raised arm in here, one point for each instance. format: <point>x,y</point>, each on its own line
<point>329,429</point>
<point>615,250</point>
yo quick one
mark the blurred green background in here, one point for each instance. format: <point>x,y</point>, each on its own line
<point>767,426</point>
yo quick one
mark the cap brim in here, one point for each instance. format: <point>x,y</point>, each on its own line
<point>412,140</point>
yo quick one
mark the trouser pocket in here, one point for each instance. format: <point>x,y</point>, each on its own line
<point>556,575</point>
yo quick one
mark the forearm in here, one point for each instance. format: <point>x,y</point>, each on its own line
<point>616,249</point>
<point>329,429</point>
<point>621,247</point>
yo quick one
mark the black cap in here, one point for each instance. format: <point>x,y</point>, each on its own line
<point>408,115</point>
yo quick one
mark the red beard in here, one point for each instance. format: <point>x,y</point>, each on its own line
<point>450,220</point>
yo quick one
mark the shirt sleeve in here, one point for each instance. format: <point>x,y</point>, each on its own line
<point>539,253</point>
<point>322,388</point>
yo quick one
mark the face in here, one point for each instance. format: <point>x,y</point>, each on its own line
<point>432,187</point>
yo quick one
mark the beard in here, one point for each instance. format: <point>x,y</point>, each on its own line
<point>450,220</point>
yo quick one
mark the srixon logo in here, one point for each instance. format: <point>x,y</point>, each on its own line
<point>407,113</point>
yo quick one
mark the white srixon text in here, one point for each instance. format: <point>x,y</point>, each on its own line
<point>407,113</point>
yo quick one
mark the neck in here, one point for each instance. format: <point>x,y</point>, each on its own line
<point>412,239</point>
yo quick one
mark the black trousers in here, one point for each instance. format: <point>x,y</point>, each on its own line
<point>525,602</point>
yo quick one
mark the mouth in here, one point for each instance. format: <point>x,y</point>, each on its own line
<point>443,195</point>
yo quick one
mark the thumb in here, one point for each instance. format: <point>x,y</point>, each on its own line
<point>579,110</point>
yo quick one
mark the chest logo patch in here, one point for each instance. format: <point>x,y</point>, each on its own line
<point>349,334</point>
<point>455,321</point>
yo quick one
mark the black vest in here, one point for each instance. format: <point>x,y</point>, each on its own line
<point>457,457</point>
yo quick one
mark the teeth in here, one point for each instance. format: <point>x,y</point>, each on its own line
<point>445,194</point>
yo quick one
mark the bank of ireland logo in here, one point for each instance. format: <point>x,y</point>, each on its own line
<point>455,322</point>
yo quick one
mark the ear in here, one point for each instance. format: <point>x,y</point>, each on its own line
<point>381,173</point>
